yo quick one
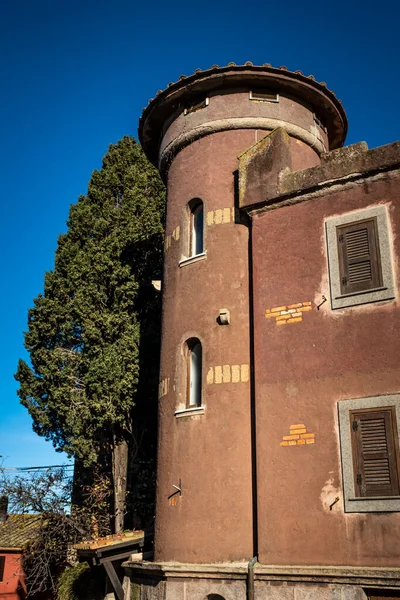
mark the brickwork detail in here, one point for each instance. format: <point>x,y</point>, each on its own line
<point>221,216</point>
<point>172,236</point>
<point>292,313</point>
<point>298,436</point>
<point>228,374</point>
<point>163,387</point>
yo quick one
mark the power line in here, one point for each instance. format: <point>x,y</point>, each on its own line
<point>67,466</point>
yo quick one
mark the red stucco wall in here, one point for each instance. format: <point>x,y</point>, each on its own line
<point>303,369</point>
<point>210,453</point>
<point>13,586</point>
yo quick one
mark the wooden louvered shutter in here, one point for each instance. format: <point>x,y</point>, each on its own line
<point>375,448</point>
<point>359,259</point>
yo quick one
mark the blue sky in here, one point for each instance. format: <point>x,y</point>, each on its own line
<point>75,76</point>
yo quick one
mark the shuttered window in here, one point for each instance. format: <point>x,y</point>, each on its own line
<point>375,452</point>
<point>359,259</point>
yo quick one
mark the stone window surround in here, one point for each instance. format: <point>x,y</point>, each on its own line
<point>353,504</point>
<point>387,291</point>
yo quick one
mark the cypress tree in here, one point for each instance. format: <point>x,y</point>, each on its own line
<point>93,334</point>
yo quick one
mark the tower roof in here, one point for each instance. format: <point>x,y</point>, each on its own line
<point>177,95</point>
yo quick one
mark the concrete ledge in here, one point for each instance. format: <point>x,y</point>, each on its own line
<point>237,570</point>
<point>365,576</point>
<point>340,166</point>
<point>362,576</point>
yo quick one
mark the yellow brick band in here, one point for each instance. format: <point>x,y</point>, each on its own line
<point>306,436</point>
<point>282,317</point>
<point>228,374</point>
<point>298,426</point>
<point>282,322</point>
<point>298,305</point>
<point>305,308</point>
<point>296,320</point>
<point>301,442</point>
<point>163,387</point>
<point>278,308</point>
<point>235,373</point>
<point>284,443</point>
<point>291,437</point>
<point>306,303</point>
<point>310,441</point>
<point>220,216</point>
<point>244,373</point>
<point>297,431</point>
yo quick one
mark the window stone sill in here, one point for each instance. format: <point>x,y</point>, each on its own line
<point>192,259</point>
<point>190,412</point>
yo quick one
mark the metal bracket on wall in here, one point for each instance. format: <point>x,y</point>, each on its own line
<point>323,302</point>
<point>178,489</point>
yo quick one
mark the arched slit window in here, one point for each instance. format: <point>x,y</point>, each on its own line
<point>194,373</point>
<point>196,227</point>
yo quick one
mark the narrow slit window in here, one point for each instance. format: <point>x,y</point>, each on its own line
<point>375,462</point>
<point>264,96</point>
<point>359,259</point>
<point>198,105</point>
<point>194,373</point>
<point>197,229</point>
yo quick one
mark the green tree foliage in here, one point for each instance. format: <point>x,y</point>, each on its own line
<point>92,335</point>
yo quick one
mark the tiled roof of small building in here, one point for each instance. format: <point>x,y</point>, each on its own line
<point>18,530</point>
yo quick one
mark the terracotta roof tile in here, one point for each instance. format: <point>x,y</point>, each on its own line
<point>232,64</point>
<point>18,530</point>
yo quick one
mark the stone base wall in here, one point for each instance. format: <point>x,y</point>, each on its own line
<point>229,581</point>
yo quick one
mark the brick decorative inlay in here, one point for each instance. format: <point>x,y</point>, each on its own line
<point>163,387</point>
<point>221,216</point>
<point>228,374</point>
<point>172,236</point>
<point>298,436</point>
<point>292,313</point>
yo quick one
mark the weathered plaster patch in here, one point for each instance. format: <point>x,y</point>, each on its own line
<point>329,495</point>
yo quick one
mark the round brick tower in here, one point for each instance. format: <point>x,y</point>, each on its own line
<point>194,132</point>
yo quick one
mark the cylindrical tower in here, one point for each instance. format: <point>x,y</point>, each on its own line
<point>194,131</point>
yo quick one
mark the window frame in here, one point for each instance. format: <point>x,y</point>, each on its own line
<point>261,95</point>
<point>373,255</point>
<point>354,503</point>
<point>2,567</point>
<point>188,223</point>
<point>385,291</point>
<point>199,104</point>
<point>191,343</point>
<point>193,233</point>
